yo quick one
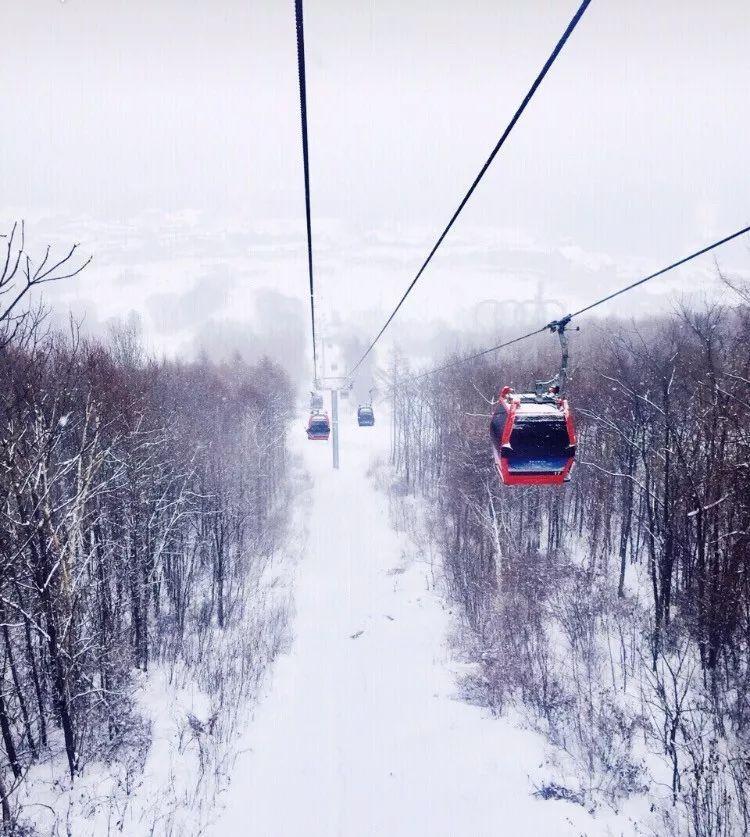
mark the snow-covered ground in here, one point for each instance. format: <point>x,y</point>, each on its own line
<point>361,732</point>
<point>166,781</point>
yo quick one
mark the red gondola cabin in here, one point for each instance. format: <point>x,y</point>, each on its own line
<point>318,426</point>
<point>533,438</point>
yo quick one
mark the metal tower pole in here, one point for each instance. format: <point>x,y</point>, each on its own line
<point>335,426</point>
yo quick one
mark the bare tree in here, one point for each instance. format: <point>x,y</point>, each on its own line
<point>20,274</point>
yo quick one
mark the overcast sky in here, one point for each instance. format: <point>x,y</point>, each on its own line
<point>164,136</point>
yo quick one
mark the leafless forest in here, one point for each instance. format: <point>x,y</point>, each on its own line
<point>615,614</point>
<point>138,497</point>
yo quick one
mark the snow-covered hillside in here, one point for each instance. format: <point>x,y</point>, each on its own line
<point>362,732</point>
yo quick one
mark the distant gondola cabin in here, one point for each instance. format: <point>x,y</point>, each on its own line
<point>318,427</point>
<point>365,416</point>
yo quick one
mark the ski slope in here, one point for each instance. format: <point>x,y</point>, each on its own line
<point>361,732</point>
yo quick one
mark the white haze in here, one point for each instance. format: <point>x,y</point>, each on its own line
<point>165,138</point>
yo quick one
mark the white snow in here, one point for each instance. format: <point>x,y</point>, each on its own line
<point>361,732</point>
<point>167,781</point>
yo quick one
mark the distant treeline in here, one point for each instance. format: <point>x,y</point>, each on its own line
<point>616,609</point>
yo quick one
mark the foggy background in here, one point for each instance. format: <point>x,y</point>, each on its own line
<point>164,136</point>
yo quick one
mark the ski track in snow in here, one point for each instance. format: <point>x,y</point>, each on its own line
<point>360,733</point>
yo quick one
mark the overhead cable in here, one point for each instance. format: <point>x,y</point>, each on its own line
<point>552,326</point>
<point>306,165</point>
<point>516,116</point>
